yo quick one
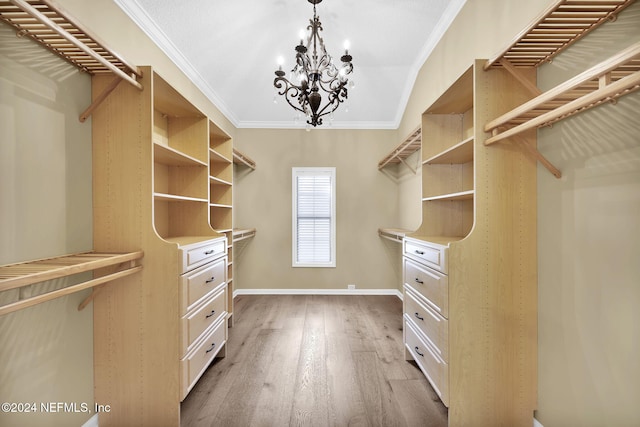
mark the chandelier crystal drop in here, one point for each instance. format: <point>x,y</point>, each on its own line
<point>313,74</point>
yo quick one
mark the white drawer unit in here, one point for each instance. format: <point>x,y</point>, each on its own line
<point>198,283</point>
<point>203,316</point>
<point>200,253</point>
<point>434,368</point>
<point>430,254</point>
<point>431,284</point>
<point>203,300</point>
<point>426,311</point>
<point>428,321</point>
<point>196,361</point>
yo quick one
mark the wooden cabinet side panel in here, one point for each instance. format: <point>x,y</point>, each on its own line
<point>492,277</point>
<point>136,336</point>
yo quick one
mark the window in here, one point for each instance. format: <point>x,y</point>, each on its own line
<point>314,217</point>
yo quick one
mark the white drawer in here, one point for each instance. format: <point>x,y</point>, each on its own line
<point>428,321</point>
<point>431,254</point>
<point>205,315</point>
<point>193,365</point>
<point>435,369</point>
<point>197,254</point>
<point>430,284</point>
<point>197,284</point>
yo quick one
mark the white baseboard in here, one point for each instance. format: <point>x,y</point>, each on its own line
<point>536,423</point>
<point>317,292</point>
<point>92,422</point>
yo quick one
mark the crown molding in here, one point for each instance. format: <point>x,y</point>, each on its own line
<point>335,125</point>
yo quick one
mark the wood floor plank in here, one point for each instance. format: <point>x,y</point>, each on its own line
<point>274,404</point>
<point>310,393</point>
<point>410,397</point>
<point>381,406</point>
<point>345,401</point>
<point>314,360</point>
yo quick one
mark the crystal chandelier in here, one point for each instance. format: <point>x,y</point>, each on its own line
<point>314,71</point>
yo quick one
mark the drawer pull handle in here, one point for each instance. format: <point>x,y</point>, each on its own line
<point>419,252</point>
<point>211,348</point>
<point>213,312</point>
<point>419,281</point>
<point>418,351</point>
<point>418,316</point>
<point>209,252</point>
<point>210,280</point>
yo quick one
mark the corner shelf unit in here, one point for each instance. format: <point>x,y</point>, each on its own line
<point>464,269</point>
<point>17,275</point>
<point>406,148</point>
<point>558,27</point>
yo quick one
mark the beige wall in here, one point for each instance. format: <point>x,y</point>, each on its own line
<point>46,351</point>
<point>589,275</point>
<point>366,200</point>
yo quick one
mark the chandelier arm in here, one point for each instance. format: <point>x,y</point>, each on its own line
<point>290,91</point>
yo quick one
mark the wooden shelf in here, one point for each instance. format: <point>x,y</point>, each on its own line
<point>393,234</point>
<point>217,157</point>
<point>172,157</point>
<point>175,198</point>
<point>399,154</point>
<point>218,205</point>
<point>23,274</point>
<point>558,27</point>
<point>243,233</point>
<point>439,240</point>
<point>458,154</point>
<point>242,159</point>
<point>217,181</point>
<point>462,195</point>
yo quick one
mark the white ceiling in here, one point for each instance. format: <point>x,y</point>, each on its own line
<point>229,49</point>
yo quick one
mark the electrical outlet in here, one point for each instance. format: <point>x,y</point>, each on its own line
<point>351,287</point>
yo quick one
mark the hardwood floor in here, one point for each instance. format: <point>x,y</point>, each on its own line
<point>314,360</point>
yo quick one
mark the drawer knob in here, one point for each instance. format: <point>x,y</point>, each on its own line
<point>213,312</point>
<point>419,252</point>
<point>211,280</point>
<point>418,351</point>
<point>419,281</point>
<point>209,252</point>
<point>214,344</point>
<point>418,316</point>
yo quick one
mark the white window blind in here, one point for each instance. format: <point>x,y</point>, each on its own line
<point>314,217</point>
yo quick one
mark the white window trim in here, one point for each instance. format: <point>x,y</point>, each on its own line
<point>295,172</point>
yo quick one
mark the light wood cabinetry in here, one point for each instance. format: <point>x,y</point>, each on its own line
<point>470,287</point>
<point>155,332</point>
